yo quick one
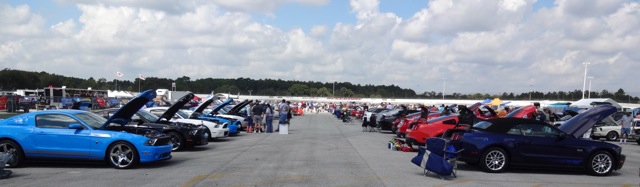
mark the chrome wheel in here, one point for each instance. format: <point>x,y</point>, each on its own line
<point>122,155</point>
<point>494,160</point>
<point>11,149</point>
<point>176,140</point>
<point>601,163</point>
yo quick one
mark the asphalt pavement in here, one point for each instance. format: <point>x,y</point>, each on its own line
<point>319,151</point>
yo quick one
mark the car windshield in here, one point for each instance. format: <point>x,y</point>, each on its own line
<point>95,121</point>
<point>482,125</point>
<point>149,116</point>
<point>183,114</point>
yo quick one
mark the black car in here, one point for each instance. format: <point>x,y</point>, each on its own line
<point>385,119</point>
<point>182,134</point>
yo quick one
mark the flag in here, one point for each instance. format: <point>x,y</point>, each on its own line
<point>141,77</point>
<point>118,74</point>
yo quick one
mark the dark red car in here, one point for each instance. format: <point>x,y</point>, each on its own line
<point>435,127</point>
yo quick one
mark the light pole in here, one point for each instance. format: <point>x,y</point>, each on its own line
<point>334,88</point>
<point>530,91</point>
<point>590,77</point>
<point>584,83</point>
<point>444,86</point>
<point>250,92</point>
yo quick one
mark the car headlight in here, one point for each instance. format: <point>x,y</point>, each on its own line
<point>217,126</point>
<point>150,142</point>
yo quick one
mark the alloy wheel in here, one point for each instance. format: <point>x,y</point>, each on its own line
<point>495,160</point>
<point>121,155</point>
<point>601,163</point>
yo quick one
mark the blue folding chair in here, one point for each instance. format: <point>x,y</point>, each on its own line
<point>442,158</point>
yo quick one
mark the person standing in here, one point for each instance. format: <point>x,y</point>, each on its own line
<point>268,113</point>
<point>257,111</point>
<point>250,118</point>
<point>283,109</point>
<point>625,127</point>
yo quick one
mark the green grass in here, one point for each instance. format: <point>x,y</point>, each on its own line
<point>8,115</point>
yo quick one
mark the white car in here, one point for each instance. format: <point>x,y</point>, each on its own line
<point>215,130</point>
<point>607,128</point>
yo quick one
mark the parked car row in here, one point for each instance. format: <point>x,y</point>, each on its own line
<point>122,137</point>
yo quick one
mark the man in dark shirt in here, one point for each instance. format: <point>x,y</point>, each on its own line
<point>257,112</point>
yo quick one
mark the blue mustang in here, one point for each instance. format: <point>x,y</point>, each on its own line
<point>234,125</point>
<point>77,134</point>
<point>499,143</point>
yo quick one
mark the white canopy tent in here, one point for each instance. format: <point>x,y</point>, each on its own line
<point>588,103</point>
<point>119,94</point>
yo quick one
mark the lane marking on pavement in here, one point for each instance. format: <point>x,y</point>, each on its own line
<point>536,184</point>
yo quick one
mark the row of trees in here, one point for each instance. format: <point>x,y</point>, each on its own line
<point>17,79</point>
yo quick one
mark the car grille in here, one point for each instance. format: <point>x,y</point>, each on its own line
<point>163,141</point>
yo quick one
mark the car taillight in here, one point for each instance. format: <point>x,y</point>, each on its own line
<point>456,137</point>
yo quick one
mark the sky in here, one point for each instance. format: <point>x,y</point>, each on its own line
<point>463,46</point>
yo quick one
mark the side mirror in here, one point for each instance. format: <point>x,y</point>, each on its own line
<point>449,122</point>
<point>76,126</point>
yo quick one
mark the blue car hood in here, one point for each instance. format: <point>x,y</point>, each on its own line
<point>124,114</point>
<point>171,111</point>
<point>581,123</point>
<point>217,108</point>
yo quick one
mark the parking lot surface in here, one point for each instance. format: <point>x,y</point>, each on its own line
<point>319,151</point>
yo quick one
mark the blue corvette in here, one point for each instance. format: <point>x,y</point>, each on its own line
<point>234,125</point>
<point>499,143</point>
<point>82,135</point>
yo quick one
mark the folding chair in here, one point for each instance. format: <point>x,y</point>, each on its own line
<point>442,158</point>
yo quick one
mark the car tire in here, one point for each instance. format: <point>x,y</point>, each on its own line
<point>11,147</point>
<point>209,135</point>
<point>177,140</point>
<point>612,136</point>
<point>600,163</point>
<point>122,155</point>
<point>494,160</point>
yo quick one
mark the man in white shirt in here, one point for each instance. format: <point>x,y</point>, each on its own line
<point>625,129</point>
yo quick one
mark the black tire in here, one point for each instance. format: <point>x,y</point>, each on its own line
<point>612,136</point>
<point>122,155</point>
<point>209,135</point>
<point>177,140</point>
<point>600,163</point>
<point>11,147</point>
<point>494,160</point>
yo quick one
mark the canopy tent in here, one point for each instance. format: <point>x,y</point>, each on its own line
<point>495,102</point>
<point>486,101</point>
<point>588,103</point>
<point>119,94</point>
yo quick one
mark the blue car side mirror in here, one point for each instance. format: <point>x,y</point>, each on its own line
<point>76,126</point>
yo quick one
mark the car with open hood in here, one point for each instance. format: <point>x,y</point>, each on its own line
<point>182,134</point>
<point>82,135</point>
<point>175,114</point>
<point>498,144</point>
<point>233,124</point>
<point>236,112</point>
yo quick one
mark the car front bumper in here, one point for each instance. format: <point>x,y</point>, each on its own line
<point>154,153</point>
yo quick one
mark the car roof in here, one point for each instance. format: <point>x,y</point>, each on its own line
<point>502,125</point>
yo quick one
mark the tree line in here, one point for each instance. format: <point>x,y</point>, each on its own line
<point>17,79</point>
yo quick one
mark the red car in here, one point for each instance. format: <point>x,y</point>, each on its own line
<point>437,126</point>
<point>405,124</point>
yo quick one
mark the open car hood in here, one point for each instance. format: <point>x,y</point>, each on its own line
<point>581,123</point>
<point>168,114</point>
<point>238,107</point>
<point>124,114</point>
<point>219,106</point>
<point>203,106</point>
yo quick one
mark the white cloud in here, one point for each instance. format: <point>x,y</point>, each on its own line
<point>479,46</point>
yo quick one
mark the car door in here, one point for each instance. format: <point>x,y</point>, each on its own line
<point>542,145</point>
<point>53,138</point>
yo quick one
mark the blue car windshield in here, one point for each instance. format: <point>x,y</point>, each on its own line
<point>95,121</point>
